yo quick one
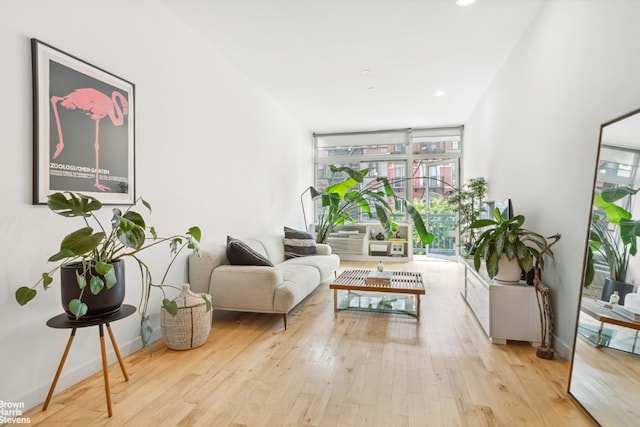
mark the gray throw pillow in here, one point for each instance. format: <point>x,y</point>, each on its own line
<point>239,253</point>
<point>298,243</point>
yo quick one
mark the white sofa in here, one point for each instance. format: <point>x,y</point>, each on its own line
<point>262,289</point>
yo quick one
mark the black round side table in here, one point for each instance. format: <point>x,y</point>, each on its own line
<point>63,321</point>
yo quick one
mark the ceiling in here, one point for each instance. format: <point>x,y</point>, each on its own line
<point>355,65</point>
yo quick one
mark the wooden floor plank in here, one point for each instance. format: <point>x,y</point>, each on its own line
<point>350,369</point>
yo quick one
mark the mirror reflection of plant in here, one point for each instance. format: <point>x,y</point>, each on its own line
<point>616,246</point>
<point>351,196</point>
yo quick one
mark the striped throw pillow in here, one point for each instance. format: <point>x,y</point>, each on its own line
<point>298,243</point>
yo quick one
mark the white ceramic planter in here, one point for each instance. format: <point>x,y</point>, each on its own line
<point>508,271</point>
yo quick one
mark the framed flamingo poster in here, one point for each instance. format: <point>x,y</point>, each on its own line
<point>84,137</point>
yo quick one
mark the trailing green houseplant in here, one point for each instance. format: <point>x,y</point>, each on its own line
<point>95,250</point>
<point>466,201</point>
<point>342,200</point>
<point>508,237</point>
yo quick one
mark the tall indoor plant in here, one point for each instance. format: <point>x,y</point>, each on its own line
<point>466,201</point>
<point>95,251</point>
<point>343,199</point>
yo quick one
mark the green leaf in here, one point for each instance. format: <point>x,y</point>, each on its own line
<point>81,279</point>
<point>341,188</point>
<point>103,268</point>
<point>63,254</point>
<point>135,218</point>
<point>357,176</point>
<point>195,232</point>
<point>75,205</point>
<point>419,226</point>
<point>96,284</point>
<point>146,204</point>
<point>46,280</point>
<point>480,223</point>
<point>110,277</point>
<point>134,238</point>
<point>78,308</point>
<point>492,263</point>
<point>589,273</point>
<point>207,302</point>
<point>145,332</point>
<point>79,242</point>
<point>617,193</point>
<point>25,294</point>
<point>500,237</point>
<point>385,220</point>
<point>629,230</point>
<point>613,212</point>
<point>525,259</point>
<point>170,306</point>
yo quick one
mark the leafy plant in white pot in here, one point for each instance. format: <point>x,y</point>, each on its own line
<point>91,261</point>
<point>506,247</point>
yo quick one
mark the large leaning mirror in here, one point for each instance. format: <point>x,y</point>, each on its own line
<point>605,369</point>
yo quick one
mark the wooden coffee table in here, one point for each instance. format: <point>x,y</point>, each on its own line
<point>604,313</point>
<point>402,282</point>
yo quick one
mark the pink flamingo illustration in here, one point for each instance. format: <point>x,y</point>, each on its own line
<point>96,105</point>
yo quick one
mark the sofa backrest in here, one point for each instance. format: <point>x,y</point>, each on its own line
<point>201,268</point>
<point>272,247</point>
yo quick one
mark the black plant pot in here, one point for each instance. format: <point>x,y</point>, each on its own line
<point>611,285</point>
<point>106,302</point>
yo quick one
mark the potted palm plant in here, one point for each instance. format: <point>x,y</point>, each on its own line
<point>91,261</point>
<point>342,200</point>
<point>506,245</point>
<point>613,236</point>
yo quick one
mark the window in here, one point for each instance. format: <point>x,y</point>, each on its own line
<point>431,155</point>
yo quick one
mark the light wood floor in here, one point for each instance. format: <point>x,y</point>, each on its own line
<point>606,381</point>
<point>358,369</point>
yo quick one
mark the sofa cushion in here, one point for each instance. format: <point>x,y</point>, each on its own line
<point>239,253</point>
<point>298,243</point>
<point>325,264</point>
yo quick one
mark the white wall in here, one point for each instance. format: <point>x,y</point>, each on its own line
<point>205,135</point>
<point>534,135</point>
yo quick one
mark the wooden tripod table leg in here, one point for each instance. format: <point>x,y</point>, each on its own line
<point>105,371</point>
<point>59,371</point>
<point>117,350</point>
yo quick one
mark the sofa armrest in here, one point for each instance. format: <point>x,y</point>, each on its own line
<point>323,249</point>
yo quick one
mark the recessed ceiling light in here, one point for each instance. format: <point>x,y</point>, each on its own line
<point>463,3</point>
<point>365,71</point>
<point>440,93</point>
<point>371,88</point>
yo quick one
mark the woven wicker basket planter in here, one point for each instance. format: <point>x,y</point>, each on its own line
<point>191,326</point>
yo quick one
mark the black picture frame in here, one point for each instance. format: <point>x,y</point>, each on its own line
<point>83,129</point>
